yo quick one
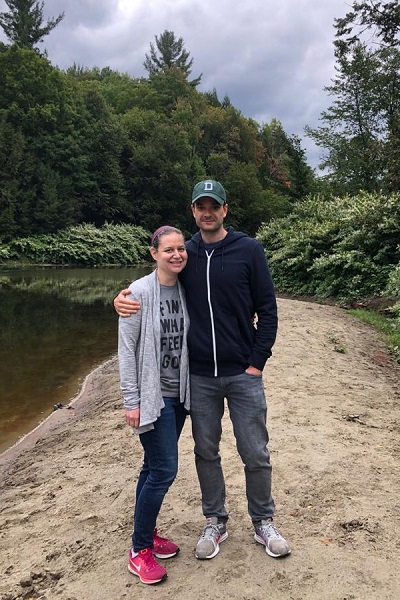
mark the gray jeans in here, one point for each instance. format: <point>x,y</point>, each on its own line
<point>248,413</point>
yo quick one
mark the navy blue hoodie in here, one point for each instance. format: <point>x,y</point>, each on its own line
<point>226,284</point>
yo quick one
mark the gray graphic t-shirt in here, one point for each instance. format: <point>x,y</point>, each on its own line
<point>171,340</point>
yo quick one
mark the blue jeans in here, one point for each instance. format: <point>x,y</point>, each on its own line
<point>160,466</point>
<point>248,413</point>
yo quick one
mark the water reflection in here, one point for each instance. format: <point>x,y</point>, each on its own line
<point>56,325</point>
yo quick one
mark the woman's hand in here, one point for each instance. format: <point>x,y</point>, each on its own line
<point>132,417</point>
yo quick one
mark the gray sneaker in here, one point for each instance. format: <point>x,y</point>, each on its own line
<point>213,533</point>
<point>268,535</point>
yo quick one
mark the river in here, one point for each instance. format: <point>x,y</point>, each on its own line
<point>56,325</point>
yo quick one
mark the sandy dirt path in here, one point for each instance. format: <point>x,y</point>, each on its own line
<point>66,494</point>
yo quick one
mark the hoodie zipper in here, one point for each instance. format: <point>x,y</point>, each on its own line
<point>214,342</point>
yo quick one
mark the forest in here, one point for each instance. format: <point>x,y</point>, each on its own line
<point>93,145</point>
<point>92,159</point>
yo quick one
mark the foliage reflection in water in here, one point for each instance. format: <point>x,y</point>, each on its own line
<point>56,325</point>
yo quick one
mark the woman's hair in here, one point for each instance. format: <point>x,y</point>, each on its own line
<point>163,230</point>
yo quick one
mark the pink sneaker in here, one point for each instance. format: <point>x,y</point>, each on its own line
<point>163,548</point>
<point>145,566</point>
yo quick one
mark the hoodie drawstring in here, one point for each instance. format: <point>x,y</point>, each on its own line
<point>214,341</point>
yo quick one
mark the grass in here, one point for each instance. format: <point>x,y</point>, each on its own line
<point>337,345</point>
<point>390,327</point>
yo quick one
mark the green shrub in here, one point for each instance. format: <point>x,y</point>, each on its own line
<point>393,283</point>
<point>84,245</point>
<point>341,247</point>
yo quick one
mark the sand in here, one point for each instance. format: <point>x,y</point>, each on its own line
<point>66,492</point>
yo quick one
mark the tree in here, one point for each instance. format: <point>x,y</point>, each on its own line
<point>160,171</point>
<point>227,137</point>
<point>354,125</point>
<point>24,23</point>
<point>12,149</point>
<point>360,134</point>
<point>284,168</point>
<point>247,200</point>
<point>38,119</point>
<point>382,18</point>
<point>60,149</point>
<point>168,53</point>
<point>103,193</point>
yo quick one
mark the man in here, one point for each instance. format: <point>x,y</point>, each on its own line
<point>227,282</point>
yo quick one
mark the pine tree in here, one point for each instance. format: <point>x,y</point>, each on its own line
<point>171,53</point>
<point>24,23</point>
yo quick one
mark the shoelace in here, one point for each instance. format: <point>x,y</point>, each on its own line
<point>270,531</point>
<point>210,531</point>
<point>149,561</point>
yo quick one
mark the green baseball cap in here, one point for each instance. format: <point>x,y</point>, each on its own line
<point>209,189</point>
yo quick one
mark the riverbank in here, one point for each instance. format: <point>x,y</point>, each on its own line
<point>67,496</point>
<point>65,412</point>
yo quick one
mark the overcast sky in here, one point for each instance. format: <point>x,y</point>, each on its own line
<point>273,58</point>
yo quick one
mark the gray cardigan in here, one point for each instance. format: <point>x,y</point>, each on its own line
<point>139,353</point>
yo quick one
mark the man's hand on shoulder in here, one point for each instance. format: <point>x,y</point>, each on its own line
<point>124,306</point>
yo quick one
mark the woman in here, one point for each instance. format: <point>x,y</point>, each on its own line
<point>154,374</point>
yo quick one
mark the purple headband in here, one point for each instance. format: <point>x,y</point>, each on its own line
<point>160,231</point>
